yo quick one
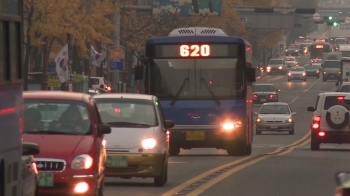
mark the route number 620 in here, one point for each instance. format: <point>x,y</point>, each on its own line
<point>195,50</point>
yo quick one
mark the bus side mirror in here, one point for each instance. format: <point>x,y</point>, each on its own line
<point>139,72</point>
<point>251,74</point>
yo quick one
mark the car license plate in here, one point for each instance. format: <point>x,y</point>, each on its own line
<point>117,161</point>
<point>45,179</point>
<point>195,135</point>
<point>273,126</point>
<point>262,100</point>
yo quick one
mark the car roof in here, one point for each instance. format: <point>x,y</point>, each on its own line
<point>263,84</point>
<point>125,96</point>
<point>333,93</point>
<point>276,59</point>
<point>275,103</point>
<point>62,95</point>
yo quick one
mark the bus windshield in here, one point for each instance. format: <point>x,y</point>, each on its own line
<point>316,51</point>
<point>220,78</point>
<point>332,64</point>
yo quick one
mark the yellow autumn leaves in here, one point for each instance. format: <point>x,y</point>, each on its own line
<point>48,22</point>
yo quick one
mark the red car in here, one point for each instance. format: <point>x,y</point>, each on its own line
<point>67,127</point>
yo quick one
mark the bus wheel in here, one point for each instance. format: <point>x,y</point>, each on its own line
<point>237,148</point>
<point>174,150</point>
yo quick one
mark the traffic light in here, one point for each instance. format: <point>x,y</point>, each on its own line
<point>330,17</point>
<point>335,24</point>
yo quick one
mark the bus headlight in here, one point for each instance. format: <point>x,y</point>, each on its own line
<point>229,126</point>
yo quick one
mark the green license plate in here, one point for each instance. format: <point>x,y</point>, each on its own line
<point>117,161</point>
<point>45,180</point>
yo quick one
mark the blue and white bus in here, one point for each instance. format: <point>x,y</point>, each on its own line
<point>203,79</point>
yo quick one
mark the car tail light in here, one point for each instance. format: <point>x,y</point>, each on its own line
<point>321,134</point>
<point>258,120</point>
<point>316,121</point>
<point>272,96</point>
<point>280,67</point>
<point>340,98</point>
<point>304,74</point>
<point>255,96</point>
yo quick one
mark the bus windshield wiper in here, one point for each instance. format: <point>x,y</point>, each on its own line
<point>179,91</point>
<point>210,91</point>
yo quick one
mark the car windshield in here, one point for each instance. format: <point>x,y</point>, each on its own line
<point>345,53</point>
<point>332,64</point>
<point>345,88</point>
<point>308,66</point>
<point>197,78</point>
<point>264,88</point>
<point>56,117</point>
<point>274,109</point>
<point>275,61</point>
<point>340,41</point>
<point>298,69</point>
<point>127,112</point>
<point>335,100</point>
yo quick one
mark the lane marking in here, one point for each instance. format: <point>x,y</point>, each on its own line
<point>295,98</point>
<point>312,85</point>
<point>224,175</point>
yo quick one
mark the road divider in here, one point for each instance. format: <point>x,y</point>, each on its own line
<point>200,183</point>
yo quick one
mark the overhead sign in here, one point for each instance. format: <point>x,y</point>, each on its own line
<point>54,82</point>
<point>187,8</point>
<point>269,21</point>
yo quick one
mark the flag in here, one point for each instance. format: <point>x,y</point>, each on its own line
<point>61,61</point>
<point>97,58</point>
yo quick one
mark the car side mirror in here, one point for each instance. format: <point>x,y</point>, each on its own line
<point>168,124</point>
<point>294,113</point>
<point>251,74</point>
<point>310,109</point>
<point>337,84</point>
<point>30,149</point>
<point>255,113</point>
<point>139,72</point>
<point>104,129</point>
<point>343,179</point>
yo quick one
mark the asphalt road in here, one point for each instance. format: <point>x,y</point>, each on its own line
<point>295,171</point>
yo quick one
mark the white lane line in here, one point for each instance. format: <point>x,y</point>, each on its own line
<point>293,100</point>
<point>312,85</point>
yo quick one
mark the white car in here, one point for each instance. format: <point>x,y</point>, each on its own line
<point>330,122</point>
<point>275,116</point>
<point>291,61</point>
<point>138,144</point>
<point>297,73</point>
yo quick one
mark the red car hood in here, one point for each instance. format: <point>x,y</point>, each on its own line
<point>61,146</point>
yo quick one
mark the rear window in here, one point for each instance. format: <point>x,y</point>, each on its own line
<point>263,88</point>
<point>289,59</point>
<point>335,100</point>
<point>332,64</point>
<point>345,88</point>
<point>274,62</point>
<point>298,69</point>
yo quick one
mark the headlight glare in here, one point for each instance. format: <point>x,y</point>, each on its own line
<point>83,161</point>
<point>148,143</point>
<point>229,126</point>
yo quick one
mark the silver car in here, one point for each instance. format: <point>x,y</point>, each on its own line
<point>297,73</point>
<point>275,116</point>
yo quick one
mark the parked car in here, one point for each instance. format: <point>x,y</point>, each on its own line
<point>138,145</point>
<point>68,128</point>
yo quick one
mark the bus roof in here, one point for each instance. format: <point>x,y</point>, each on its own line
<point>197,34</point>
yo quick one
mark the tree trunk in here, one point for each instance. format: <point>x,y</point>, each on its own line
<point>44,82</point>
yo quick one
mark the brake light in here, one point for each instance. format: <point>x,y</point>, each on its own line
<point>340,98</point>
<point>321,133</point>
<point>258,120</point>
<point>316,122</point>
<point>108,88</point>
<point>272,96</point>
<point>255,96</point>
<point>117,110</point>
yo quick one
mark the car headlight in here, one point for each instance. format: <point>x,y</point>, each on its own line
<point>296,50</point>
<point>148,143</point>
<point>229,126</point>
<point>280,67</point>
<point>304,74</point>
<point>289,120</point>
<point>83,161</point>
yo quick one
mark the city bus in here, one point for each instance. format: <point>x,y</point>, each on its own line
<point>11,111</point>
<point>318,48</point>
<point>203,79</point>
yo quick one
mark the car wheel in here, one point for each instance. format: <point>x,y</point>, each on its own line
<point>174,150</point>
<point>237,148</point>
<point>101,188</point>
<point>162,179</point>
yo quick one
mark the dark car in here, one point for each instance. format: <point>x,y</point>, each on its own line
<point>293,50</point>
<point>312,70</point>
<point>265,93</point>
<point>277,65</point>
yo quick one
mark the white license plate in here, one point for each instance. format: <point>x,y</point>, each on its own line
<point>262,100</point>
<point>273,126</point>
